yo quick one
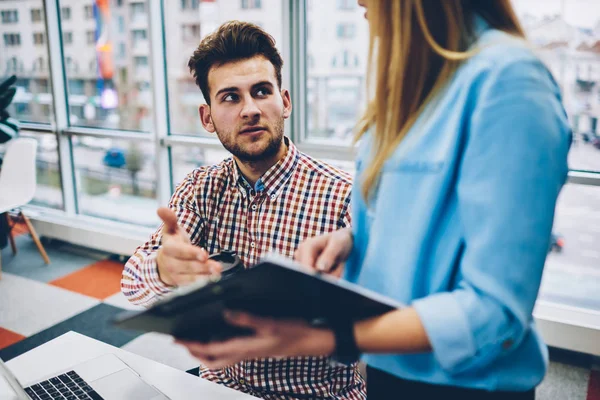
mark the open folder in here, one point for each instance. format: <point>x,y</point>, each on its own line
<point>275,287</point>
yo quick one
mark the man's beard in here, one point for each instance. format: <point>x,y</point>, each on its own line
<point>275,139</point>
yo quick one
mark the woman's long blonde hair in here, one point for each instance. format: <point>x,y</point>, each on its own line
<point>415,47</point>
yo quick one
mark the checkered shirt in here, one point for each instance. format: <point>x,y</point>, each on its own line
<point>296,199</point>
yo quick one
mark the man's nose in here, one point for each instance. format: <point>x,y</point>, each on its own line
<point>250,108</point>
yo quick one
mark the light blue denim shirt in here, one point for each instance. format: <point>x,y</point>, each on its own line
<point>460,223</point>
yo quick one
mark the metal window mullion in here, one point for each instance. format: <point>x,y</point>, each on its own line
<point>160,100</point>
<point>61,108</point>
<point>297,61</point>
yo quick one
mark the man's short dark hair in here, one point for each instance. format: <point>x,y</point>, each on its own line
<point>232,41</point>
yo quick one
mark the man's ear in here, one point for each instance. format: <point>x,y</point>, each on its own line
<point>287,103</point>
<point>205,118</point>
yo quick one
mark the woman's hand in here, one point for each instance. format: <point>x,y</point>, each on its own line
<point>326,253</point>
<point>271,338</point>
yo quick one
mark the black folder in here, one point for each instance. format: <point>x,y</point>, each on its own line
<point>276,287</point>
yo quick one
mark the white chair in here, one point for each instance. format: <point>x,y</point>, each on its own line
<point>17,186</point>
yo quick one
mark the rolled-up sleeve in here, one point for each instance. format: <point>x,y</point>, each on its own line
<point>514,165</point>
<point>140,281</point>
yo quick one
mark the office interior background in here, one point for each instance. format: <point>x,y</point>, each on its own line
<point>103,86</point>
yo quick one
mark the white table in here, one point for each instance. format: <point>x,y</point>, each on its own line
<point>73,348</point>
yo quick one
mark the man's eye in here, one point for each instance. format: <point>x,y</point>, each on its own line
<point>262,92</point>
<point>230,97</point>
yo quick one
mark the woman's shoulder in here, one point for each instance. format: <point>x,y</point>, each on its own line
<point>497,51</point>
<point>500,58</point>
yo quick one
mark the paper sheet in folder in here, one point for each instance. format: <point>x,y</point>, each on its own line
<point>275,287</point>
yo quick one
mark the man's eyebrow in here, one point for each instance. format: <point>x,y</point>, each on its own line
<point>262,83</point>
<point>227,90</point>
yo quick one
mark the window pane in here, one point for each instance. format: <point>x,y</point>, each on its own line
<point>186,159</point>
<point>24,53</point>
<point>337,46</point>
<point>192,20</point>
<point>567,35</point>
<point>107,49</point>
<point>48,192</point>
<point>116,179</point>
<point>572,275</point>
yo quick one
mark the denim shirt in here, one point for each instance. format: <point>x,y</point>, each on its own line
<point>459,225</point>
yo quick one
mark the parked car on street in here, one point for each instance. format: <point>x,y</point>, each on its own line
<point>557,242</point>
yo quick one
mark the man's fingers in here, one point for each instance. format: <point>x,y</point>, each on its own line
<point>183,251</point>
<point>169,220</point>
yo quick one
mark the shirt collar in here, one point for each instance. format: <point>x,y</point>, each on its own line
<point>275,177</point>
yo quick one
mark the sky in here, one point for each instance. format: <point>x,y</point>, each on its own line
<point>582,13</point>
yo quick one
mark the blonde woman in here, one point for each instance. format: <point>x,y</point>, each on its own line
<point>463,153</point>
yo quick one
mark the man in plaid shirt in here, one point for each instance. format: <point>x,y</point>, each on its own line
<point>268,196</point>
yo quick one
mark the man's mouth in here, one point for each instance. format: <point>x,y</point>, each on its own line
<point>253,129</point>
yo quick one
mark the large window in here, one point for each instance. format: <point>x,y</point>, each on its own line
<point>566,35</point>
<point>116,179</point>
<point>184,95</point>
<point>188,158</point>
<point>110,97</point>
<point>335,86</point>
<point>23,53</point>
<point>48,192</point>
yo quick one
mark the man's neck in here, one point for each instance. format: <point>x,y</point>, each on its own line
<point>253,170</point>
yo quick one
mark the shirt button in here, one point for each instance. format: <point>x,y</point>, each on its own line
<point>507,344</point>
<point>242,381</point>
<point>252,245</point>
<point>252,193</point>
<point>254,207</point>
<point>273,197</point>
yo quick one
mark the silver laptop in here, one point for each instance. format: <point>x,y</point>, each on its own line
<point>106,377</point>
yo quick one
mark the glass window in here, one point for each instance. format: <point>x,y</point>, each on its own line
<point>110,98</point>
<point>571,274</point>
<point>9,16</point>
<point>186,159</point>
<point>138,10</point>
<point>138,35</point>
<point>38,38</point>
<point>191,4</point>
<point>48,192</point>
<point>22,53</point>
<point>190,32</point>
<point>36,15</point>
<point>141,61</point>
<point>184,95</point>
<point>116,179</point>
<point>346,4</point>
<point>335,85</point>
<point>12,39</point>
<point>67,38</point>
<point>249,4</point>
<point>346,30</point>
<point>90,37</point>
<point>567,37</point>
<point>122,50</point>
<point>88,12</point>
<point>121,23</point>
<point>65,13</point>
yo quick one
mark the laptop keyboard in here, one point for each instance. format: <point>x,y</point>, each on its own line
<point>68,386</point>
